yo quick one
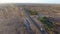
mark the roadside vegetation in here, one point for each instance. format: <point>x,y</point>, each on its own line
<point>33,12</point>
<point>49,25</point>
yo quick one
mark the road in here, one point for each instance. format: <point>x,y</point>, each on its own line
<point>27,24</point>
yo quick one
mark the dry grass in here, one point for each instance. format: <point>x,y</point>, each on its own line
<point>10,16</point>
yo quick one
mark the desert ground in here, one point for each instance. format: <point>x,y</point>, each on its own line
<point>11,17</point>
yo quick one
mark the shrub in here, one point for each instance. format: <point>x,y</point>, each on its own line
<point>47,23</point>
<point>33,12</point>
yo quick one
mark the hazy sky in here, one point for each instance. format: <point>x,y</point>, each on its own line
<point>30,1</point>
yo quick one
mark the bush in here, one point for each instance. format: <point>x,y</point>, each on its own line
<point>47,23</point>
<point>33,12</point>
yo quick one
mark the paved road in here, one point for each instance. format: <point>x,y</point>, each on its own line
<point>27,24</point>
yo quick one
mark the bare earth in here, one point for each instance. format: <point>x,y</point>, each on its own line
<point>11,16</point>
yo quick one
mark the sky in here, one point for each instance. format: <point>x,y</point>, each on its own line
<point>30,1</point>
